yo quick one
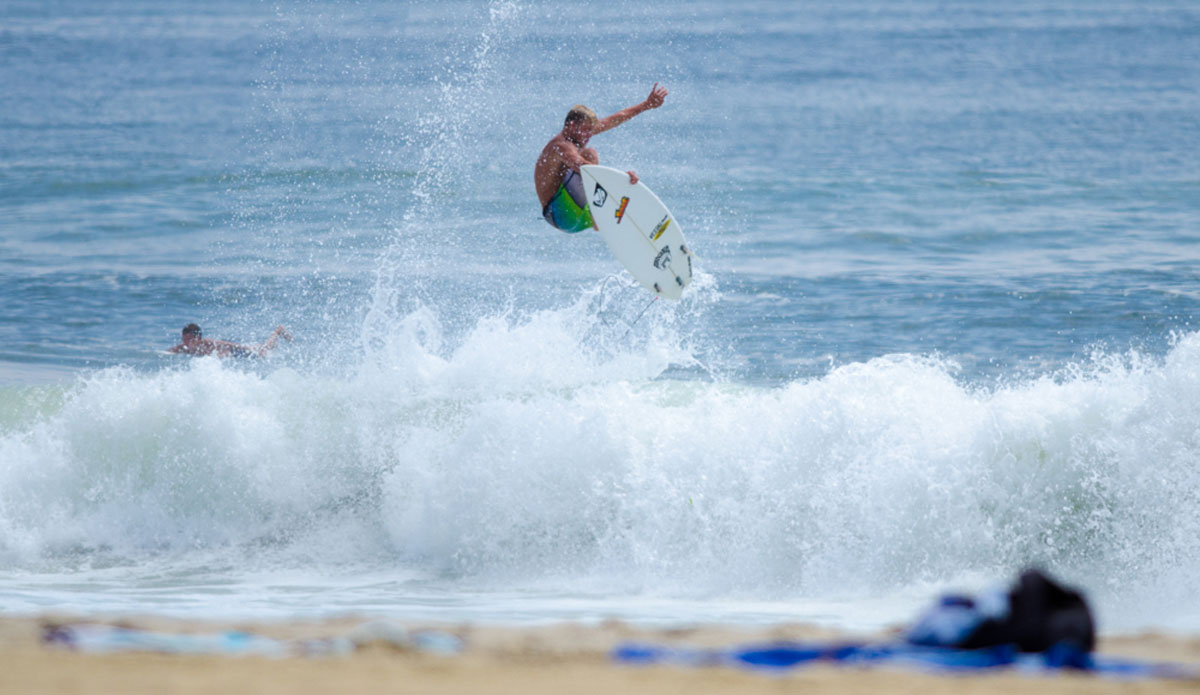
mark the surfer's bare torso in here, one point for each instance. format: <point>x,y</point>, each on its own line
<point>568,150</point>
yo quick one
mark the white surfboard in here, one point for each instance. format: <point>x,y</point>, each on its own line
<point>640,231</point>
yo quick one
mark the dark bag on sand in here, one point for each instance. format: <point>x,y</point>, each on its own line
<point>1034,615</point>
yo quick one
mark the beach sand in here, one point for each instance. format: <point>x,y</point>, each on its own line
<point>566,658</point>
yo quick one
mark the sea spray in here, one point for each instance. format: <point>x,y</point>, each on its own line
<point>427,235</point>
<point>515,455</point>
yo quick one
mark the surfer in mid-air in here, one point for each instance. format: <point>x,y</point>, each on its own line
<point>559,186</point>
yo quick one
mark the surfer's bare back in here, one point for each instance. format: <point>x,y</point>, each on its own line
<point>556,176</point>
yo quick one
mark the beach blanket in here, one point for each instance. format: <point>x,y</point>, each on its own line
<point>784,656</point>
<point>1035,625</point>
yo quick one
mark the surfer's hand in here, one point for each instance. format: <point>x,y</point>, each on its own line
<point>633,179</point>
<point>657,94</point>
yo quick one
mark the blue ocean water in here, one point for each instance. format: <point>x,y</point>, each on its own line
<point>942,325</point>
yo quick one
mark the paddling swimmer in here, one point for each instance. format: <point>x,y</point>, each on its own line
<point>559,186</point>
<point>195,344</point>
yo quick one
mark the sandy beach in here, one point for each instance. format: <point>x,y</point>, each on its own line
<point>548,659</point>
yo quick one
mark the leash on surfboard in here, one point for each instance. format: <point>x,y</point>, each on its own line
<point>639,316</point>
<point>602,296</point>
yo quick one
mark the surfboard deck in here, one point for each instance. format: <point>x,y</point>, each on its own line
<point>639,230</point>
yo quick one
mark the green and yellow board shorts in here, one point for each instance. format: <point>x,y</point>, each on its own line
<point>568,209</point>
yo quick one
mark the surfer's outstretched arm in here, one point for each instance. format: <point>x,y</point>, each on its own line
<point>655,100</point>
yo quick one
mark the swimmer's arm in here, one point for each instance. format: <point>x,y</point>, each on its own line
<point>279,332</point>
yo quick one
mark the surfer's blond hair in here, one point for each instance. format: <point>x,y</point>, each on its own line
<point>581,114</point>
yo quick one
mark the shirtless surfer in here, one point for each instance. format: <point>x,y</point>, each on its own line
<point>559,186</point>
<point>195,344</point>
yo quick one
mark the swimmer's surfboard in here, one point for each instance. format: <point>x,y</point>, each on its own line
<point>640,231</point>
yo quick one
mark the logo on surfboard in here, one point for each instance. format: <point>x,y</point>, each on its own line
<point>662,227</point>
<point>599,196</point>
<point>621,210</point>
<point>663,257</point>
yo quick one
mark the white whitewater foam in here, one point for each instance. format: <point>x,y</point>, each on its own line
<point>519,456</point>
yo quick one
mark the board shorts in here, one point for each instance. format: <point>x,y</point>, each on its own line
<point>568,209</point>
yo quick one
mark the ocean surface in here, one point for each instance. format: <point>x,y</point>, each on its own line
<point>944,324</point>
